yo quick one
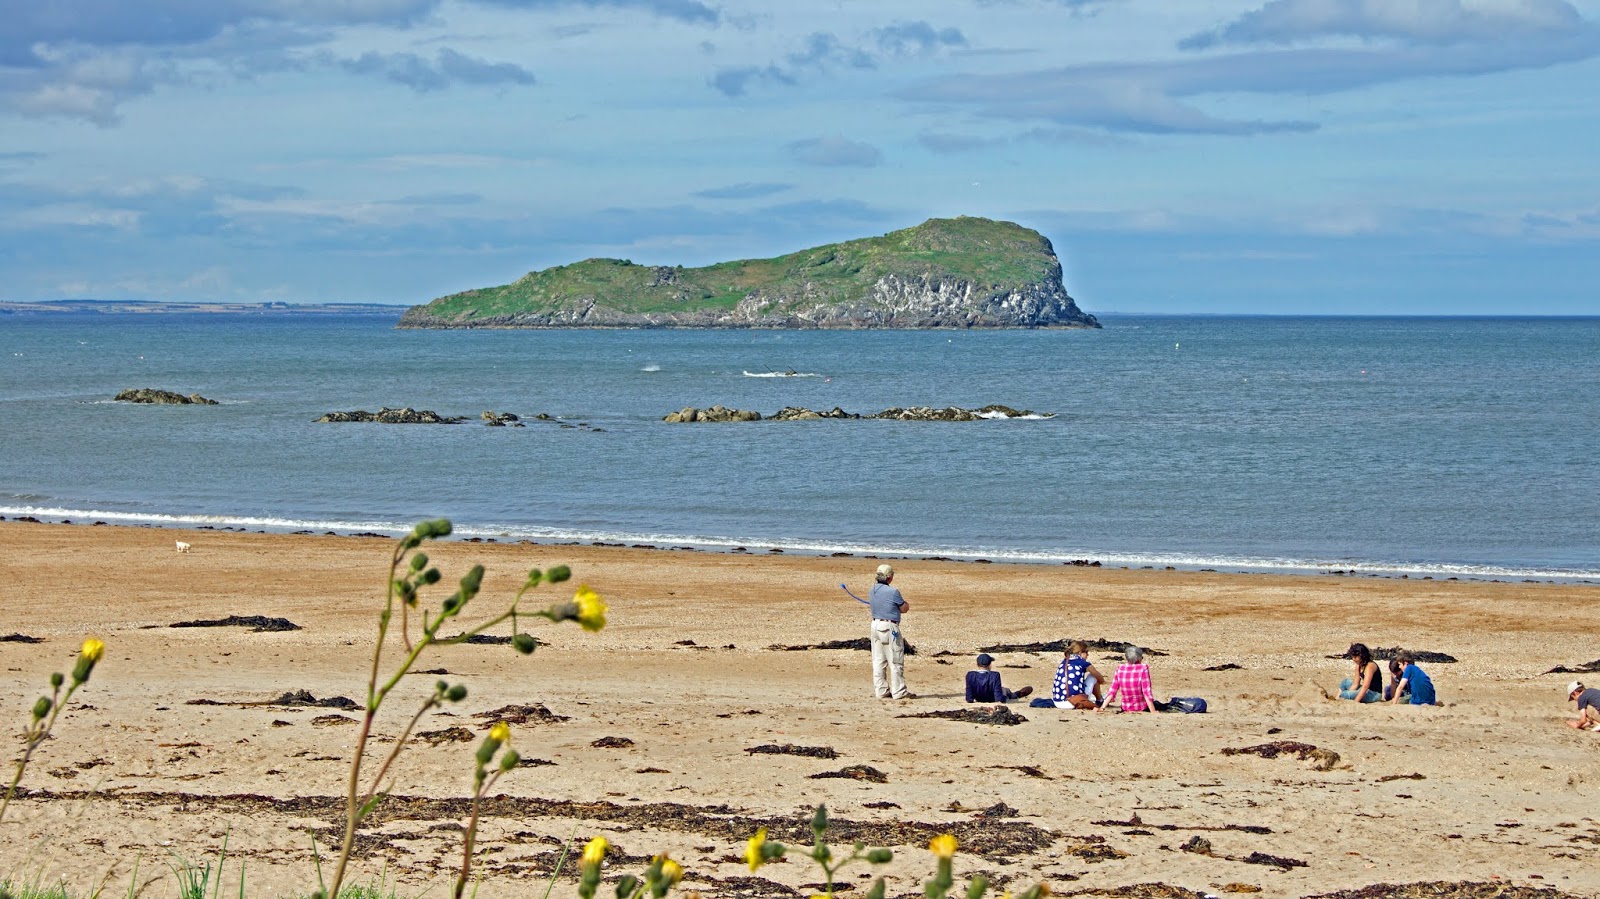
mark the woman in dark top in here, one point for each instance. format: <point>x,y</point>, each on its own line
<point>1367,685</point>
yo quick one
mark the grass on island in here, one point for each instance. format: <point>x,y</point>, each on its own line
<point>990,255</point>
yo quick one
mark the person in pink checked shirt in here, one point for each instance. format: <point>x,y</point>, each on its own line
<point>1131,682</point>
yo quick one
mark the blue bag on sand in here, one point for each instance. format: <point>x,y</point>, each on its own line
<point>1041,703</point>
<point>1191,704</point>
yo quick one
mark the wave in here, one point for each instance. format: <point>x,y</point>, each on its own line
<point>782,374</point>
<point>1001,416</point>
<point>811,546</point>
<point>651,367</point>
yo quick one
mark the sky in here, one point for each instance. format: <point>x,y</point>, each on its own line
<point>1197,156</point>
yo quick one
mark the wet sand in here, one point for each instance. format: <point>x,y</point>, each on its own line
<point>1488,788</point>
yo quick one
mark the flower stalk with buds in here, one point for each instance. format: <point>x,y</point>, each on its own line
<point>47,708</point>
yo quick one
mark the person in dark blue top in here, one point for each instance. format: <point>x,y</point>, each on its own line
<point>984,685</point>
<point>1413,679</point>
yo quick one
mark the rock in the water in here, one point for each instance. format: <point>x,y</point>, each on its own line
<point>500,419</point>
<point>162,397</point>
<point>388,416</point>
<point>689,414</point>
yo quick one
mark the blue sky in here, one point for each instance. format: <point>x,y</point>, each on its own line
<point>1331,156</point>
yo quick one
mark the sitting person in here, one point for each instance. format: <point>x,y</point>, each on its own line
<point>1588,700</point>
<point>1131,682</point>
<point>1367,685</point>
<point>983,685</point>
<point>1412,680</point>
<point>1394,680</point>
<point>1078,684</point>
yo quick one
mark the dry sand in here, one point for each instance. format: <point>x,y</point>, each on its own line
<point>1488,788</point>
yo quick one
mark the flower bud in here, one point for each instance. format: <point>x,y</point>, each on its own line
<point>57,679</point>
<point>819,821</point>
<point>977,887</point>
<point>626,886</point>
<point>510,759</point>
<point>41,708</point>
<point>524,643</point>
<point>880,856</point>
<point>877,890</point>
<point>441,687</point>
<point>451,604</point>
<point>419,561</point>
<point>558,574</point>
<point>487,749</point>
<point>471,581</point>
<point>456,693</point>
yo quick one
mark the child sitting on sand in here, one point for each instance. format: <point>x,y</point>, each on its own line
<point>1078,684</point>
<point>1412,679</point>
<point>1367,685</point>
<point>1131,682</point>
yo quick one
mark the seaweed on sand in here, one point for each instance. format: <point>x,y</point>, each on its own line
<point>996,714</point>
<point>861,643</point>
<point>519,714</point>
<point>1099,644</point>
<point>855,772</point>
<point>987,838</point>
<point>1439,889</point>
<point>256,623</point>
<point>815,752</point>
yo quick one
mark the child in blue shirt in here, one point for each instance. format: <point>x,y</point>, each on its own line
<point>1415,680</point>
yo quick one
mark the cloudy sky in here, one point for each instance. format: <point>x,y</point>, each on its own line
<point>1338,156</point>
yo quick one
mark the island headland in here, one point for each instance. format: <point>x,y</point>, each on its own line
<point>944,273</point>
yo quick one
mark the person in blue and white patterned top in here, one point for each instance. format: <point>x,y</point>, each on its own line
<point>1078,683</point>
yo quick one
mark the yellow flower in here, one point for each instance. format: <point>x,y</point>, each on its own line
<point>943,845</point>
<point>591,608</point>
<point>92,650</point>
<point>752,849</point>
<point>595,850</point>
<point>671,871</point>
<point>501,732</point>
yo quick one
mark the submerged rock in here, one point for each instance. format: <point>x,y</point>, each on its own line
<point>388,416</point>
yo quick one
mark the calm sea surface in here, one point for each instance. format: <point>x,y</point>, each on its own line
<point>1426,446</point>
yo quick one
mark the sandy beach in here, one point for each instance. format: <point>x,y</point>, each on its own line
<point>1489,788</point>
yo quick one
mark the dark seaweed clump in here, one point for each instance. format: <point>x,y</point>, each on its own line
<point>855,772</point>
<point>815,752</point>
<point>995,714</point>
<point>256,623</point>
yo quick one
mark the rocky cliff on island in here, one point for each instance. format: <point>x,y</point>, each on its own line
<point>944,273</point>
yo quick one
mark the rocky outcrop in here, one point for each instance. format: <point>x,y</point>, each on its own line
<point>690,414</point>
<point>388,416</point>
<point>162,397</point>
<point>798,413</point>
<point>501,419</point>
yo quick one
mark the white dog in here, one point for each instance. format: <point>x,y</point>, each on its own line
<point>182,547</point>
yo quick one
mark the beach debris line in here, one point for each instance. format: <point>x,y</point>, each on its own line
<point>256,623</point>
<point>1320,759</point>
<point>1202,846</point>
<point>153,396</point>
<point>720,413</point>
<point>1385,653</point>
<point>815,752</point>
<point>1586,668</point>
<point>1100,644</point>
<point>1440,889</point>
<point>456,734</point>
<point>20,638</point>
<point>995,714</point>
<point>519,714</point>
<point>854,772</point>
<point>861,643</point>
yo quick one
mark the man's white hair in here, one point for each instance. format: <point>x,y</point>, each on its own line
<point>885,572</point>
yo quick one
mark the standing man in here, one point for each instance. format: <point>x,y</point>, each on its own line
<point>888,650</point>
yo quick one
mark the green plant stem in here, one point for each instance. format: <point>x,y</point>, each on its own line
<point>399,744</point>
<point>34,739</point>
<point>472,834</point>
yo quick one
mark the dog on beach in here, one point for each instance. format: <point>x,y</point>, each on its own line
<point>182,547</point>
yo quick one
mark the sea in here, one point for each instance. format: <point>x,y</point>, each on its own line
<point>1417,447</point>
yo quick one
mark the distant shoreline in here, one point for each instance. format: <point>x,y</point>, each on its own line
<point>152,307</point>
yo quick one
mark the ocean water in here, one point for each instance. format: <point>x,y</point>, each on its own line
<point>1442,447</point>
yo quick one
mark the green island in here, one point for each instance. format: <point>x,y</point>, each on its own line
<point>944,273</point>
